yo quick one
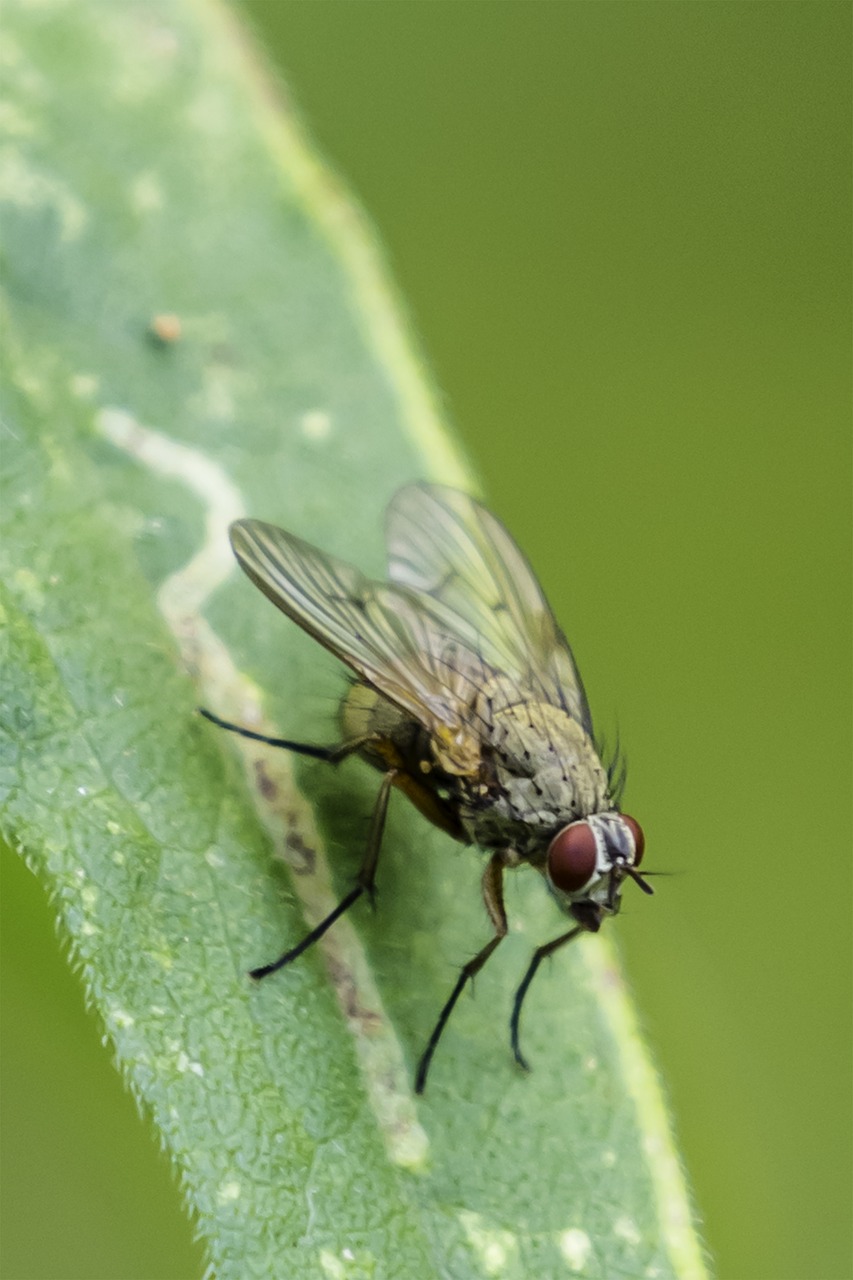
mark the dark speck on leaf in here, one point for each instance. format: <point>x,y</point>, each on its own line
<point>301,858</point>
<point>266,786</point>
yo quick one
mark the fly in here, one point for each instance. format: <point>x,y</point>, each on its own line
<point>467,698</point>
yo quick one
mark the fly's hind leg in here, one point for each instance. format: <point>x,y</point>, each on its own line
<point>365,880</point>
<point>331,754</point>
<point>364,883</point>
<point>493,897</point>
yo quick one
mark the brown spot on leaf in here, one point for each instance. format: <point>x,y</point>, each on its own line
<point>267,787</point>
<point>368,1020</point>
<point>301,857</point>
<point>165,328</point>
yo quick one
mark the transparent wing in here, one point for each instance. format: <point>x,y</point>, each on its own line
<point>448,546</point>
<point>409,647</point>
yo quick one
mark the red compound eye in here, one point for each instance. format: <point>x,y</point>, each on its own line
<point>639,839</point>
<point>572,856</point>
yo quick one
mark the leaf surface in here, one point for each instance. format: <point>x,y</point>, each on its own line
<point>197,328</point>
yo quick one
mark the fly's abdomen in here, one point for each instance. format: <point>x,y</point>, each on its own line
<point>400,743</point>
<point>365,713</point>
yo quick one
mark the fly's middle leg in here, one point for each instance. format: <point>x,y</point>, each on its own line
<point>493,898</point>
<point>364,882</point>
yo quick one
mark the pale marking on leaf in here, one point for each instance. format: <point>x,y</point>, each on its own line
<point>575,1246</point>
<point>626,1229</point>
<point>496,1249</point>
<point>289,820</point>
<point>331,1264</point>
<point>185,1063</point>
<point>229,1191</point>
<point>282,807</point>
<point>164,958</point>
<point>121,1018</point>
<point>182,595</point>
<point>341,1267</point>
<point>643,1088</point>
<point>316,424</point>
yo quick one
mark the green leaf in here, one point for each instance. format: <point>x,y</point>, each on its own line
<point>152,185</point>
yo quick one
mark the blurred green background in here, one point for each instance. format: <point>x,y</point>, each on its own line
<point>622,233</point>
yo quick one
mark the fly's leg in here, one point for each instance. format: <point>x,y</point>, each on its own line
<point>494,900</point>
<point>331,754</point>
<point>538,956</point>
<point>364,882</point>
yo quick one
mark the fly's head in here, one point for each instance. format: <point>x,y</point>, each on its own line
<point>588,860</point>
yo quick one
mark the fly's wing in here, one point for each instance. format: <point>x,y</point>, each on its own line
<point>445,544</point>
<point>409,647</point>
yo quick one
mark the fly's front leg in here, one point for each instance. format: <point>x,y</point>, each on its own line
<point>538,956</point>
<point>494,900</point>
<point>364,881</point>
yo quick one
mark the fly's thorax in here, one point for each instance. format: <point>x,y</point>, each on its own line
<point>547,763</point>
<point>543,772</point>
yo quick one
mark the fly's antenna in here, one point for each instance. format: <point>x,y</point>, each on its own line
<point>638,879</point>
